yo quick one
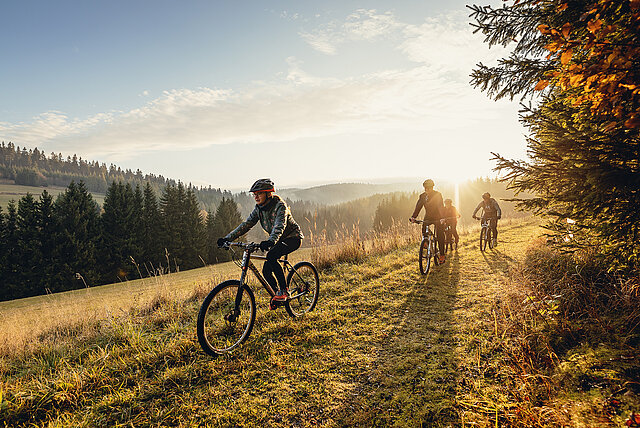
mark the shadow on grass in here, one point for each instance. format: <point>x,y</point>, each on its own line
<point>412,380</point>
<point>498,261</point>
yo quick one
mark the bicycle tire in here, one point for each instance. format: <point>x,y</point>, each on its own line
<point>304,287</point>
<point>217,334</point>
<point>483,238</point>
<point>424,260</point>
<point>490,238</point>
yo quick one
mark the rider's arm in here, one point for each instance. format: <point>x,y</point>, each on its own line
<point>419,206</point>
<point>457,213</point>
<point>440,205</point>
<point>279,223</point>
<point>476,210</point>
<point>245,226</point>
<point>498,210</point>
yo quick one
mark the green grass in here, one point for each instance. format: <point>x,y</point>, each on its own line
<point>15,192</point>
<point>386,346</point>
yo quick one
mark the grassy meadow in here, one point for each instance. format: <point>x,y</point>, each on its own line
<point>14,192</point>
<point>385,346</point>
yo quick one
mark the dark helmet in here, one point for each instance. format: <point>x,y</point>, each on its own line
<point>486,195</point>
<point>448,200</point>
<point>262,185</point>
<point>428,183</point>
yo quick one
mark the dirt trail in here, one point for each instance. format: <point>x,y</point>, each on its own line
<point>424,368</point>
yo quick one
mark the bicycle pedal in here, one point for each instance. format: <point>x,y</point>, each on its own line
<point>275,304</point>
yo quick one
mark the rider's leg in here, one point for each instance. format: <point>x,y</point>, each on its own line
<point>454,232</point>
<point>494,227</point>
<point>440,238</point>
<point>272,270</point>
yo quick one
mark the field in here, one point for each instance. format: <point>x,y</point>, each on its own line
<point>15,192</point>
<point>386,346</point>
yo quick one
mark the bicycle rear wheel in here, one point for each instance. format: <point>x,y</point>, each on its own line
<point>424,259</point>
<point>220,326</point>
<point>483,238</point>
<point>304,287</point>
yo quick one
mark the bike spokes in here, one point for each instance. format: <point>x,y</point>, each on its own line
<point>304,286</point>
<point>223,325</point>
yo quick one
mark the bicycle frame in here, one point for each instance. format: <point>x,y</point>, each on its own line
<point>246,265</point>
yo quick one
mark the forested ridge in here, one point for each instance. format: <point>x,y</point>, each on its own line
<point>150,225</point>
<point>33,167</point>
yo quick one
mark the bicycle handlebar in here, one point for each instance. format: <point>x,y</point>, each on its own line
<point>251,246</point>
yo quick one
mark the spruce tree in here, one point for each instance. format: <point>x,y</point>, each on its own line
<point>171,208</point>
<point>211,241</point>
<point>10,280</point>
<point>194,238</point>
<point>226,219</point>
<point>152,227</point>
<point>47,228</point>
<point>77,214</point>
<point>3,253</point>
<point>584,141</point>
<point>28,251</point>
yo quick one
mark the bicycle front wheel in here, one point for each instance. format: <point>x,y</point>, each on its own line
<point>424,259</point>
<point>483,238</point>
<point>304,287</point>
<point>222,325</point>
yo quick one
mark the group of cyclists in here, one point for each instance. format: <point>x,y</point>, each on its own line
<point>285,235</point>
<point>441,213</point>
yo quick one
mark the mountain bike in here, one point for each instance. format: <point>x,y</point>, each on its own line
<point>486,234</point>
<point>449,241</point>
<point>428,249</point>
<point>228,312</point>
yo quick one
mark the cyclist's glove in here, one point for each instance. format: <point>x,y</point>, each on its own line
<point>265,245</point>
<point>499,217</point>
<point>222,242</point>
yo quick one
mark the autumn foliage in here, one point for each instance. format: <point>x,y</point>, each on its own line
<point>576,66</point>
<point>597,58</point>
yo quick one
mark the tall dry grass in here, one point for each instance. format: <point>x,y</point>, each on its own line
<point>570,335</point>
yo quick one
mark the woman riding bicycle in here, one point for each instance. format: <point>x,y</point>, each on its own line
<point>284,238</point>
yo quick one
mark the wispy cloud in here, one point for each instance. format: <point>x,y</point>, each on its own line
<point>363,24</point>
<point>423,96</point>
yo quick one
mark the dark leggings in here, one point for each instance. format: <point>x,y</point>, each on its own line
<point>454,233</point>
<point>493,225</point>
<point>272,270</point>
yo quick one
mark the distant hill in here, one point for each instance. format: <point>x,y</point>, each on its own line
<point>333,194</point>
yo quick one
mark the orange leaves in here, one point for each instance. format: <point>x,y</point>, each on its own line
<point>566,56</point>
<point>545,29</point>
<point>595,52</point>
<point>594,25</point>
<point>541,85</point>
<point>633,121</point>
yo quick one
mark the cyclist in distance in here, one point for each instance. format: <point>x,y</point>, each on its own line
<point>285,235</point>
<point>431,200</point>
<point>490,212</point>
<point>451,216</point>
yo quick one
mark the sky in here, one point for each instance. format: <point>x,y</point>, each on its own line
<point>224,92</point>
